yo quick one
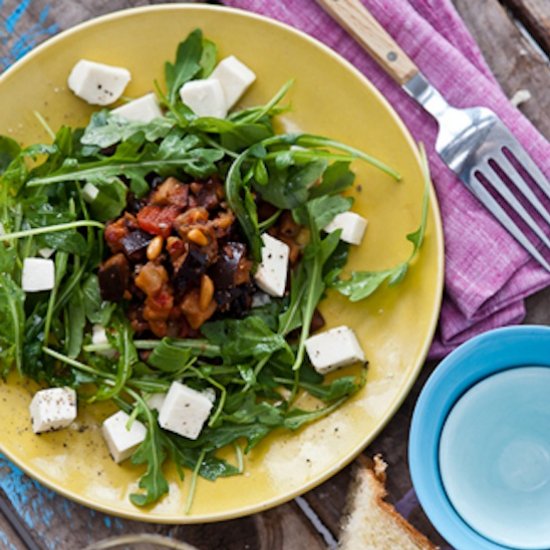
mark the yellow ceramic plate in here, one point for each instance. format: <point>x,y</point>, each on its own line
<point>395,326</point>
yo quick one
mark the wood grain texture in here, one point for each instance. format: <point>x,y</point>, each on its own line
<point>353,16</point>
<point>514,61</point>
<point>56,523</point>
<point>535,15</point>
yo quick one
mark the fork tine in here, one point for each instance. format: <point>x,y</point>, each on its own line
<point>501,188</point>
<point>492,205</point>
<point>510,170</point>
<point>517,151</point>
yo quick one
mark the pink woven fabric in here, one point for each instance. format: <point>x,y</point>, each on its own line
<point>488,274</point>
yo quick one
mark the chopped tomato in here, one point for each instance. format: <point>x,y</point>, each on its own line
<point>157,220</point>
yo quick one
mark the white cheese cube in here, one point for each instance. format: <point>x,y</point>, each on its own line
<point>156,400</point>
<point>235,78</point>
<point>184,411</point>
<point>121,441</point>
<point>352,225</point>
<point>334,348</point>
<point>38,274</point>
<point>143,109</point>
<point>272,271</point>
<point>52,409</point>
<point>204,98</point>
<point>46,252</point>
<point>99,336</point>
<point>97,83</point>
<point>90,192</point>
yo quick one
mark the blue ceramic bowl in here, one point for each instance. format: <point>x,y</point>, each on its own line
<point>476,360</point>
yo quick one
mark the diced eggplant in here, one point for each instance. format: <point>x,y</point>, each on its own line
<point>224,272</point>
<point>134,245</point>
<point>189,274</point>
<point>113,278</point>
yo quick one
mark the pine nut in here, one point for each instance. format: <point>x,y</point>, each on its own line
<point>198,237</point>
<point>206,292</point>
<point>154,248</point>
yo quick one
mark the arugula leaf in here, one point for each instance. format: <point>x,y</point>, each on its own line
<point>97,310</point>
<point>323,209</point>
<point>123,340</point>
<point>12,321</point>
<point>153,453</point>
<point>106,129</point>
<point>133,163</point>
<point>9,150</point>
<point>241,202</point>
<point>208,57</point>
<point>75,334</point>
<point>336,179</point>
<point>186,66</point>
<point>289,187</point>
<point>169,358</point>
<point>240,339</point>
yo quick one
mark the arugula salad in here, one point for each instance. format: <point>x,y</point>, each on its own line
<point>170,257</point>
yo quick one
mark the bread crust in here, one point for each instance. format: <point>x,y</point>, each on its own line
<point>369,480</point>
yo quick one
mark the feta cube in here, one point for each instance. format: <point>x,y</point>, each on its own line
<point>156,400</point>
<point>99,336</point>
<point>235,78</point>
<point>121,441</point>
<point>52,409</point>
<point>334,348</point>
<point>46,252</point>
<point>272,271</point>
<point>143,109</point>
<point>90,192</point>
<point>352,225</point>
<point>204,98</point>
<point>97,83</point>
<point>184,411</point>
<point>38,274</point>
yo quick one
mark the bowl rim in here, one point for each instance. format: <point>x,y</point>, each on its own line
<point>437,236</point>
<point>526,346</point>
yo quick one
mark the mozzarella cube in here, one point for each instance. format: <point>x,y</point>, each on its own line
<point>38,274</point>
<point>334,348</point>
<point>235,78</point>
<point>97,83</point>
<point>121,441</point>
<point>143,109</point>
<point>46,252</point>
<point>52,409</point>
<point>99,336</point>
<point>352,225</point>
<point>156,400</point>
<point>272,271</point>
<point>204,98</point>
<point>184,411</point>
<point>90,192</point>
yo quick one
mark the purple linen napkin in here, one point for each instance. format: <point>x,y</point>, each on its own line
<point>488,274</point>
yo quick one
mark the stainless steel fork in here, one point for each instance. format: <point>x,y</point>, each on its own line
<point>473,142</point>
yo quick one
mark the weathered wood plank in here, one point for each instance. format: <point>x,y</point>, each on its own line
<point>513,60</point>
<point>9,539</point>
<point>535,15</point>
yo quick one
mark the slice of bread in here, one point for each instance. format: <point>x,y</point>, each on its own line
<point>370,523</point>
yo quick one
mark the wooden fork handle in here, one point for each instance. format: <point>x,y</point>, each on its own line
<point>366,30</point>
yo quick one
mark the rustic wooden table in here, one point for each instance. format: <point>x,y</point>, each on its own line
<point>515,38</point>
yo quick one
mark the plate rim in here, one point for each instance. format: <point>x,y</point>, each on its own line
<point>403,391</point>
